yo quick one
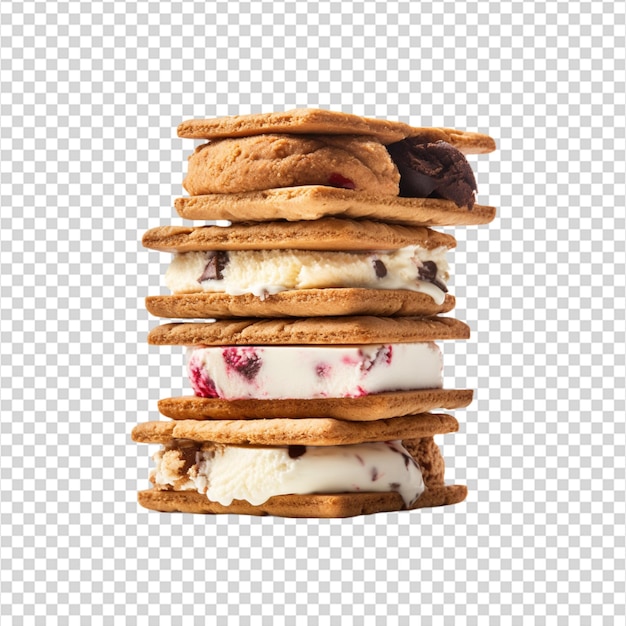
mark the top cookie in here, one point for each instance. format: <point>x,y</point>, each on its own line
<point>323,122</point>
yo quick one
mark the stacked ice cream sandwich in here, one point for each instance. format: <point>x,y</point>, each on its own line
<point>313,357</point>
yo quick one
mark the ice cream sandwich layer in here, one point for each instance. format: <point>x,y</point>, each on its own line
<point>254,474</point>
<point>305,372</point>
<point>267,272</point>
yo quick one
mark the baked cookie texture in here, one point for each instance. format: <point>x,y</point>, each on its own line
<point>312,202</point>
<point>313,180</point>
<point>323,431</point>
<point>259,162</point>
<point>328,234</point>
<point>184,439</point>
<point>324,122</point>
<point>366,408</point>
<point>299,303</point>
<point>321,331</point>
<point>306,506</point>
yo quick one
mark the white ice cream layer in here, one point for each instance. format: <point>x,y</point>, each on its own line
<point>263,272</point>
<point>255,474</point>
<point>278,372</point>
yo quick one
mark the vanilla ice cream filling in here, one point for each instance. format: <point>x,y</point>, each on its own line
<point>266,272</point>
<point>280,372</point>
<point>227,472</point>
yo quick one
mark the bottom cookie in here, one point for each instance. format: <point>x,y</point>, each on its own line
<point>315,505</point>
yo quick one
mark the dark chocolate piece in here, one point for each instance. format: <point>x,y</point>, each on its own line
<point>188,455</point>
<point>379,268</point>
<point>428,272</point>
<point>216,263</point>
<point>296,451</point>
<point>433,170</point>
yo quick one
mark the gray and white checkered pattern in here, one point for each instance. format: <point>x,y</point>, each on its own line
<point>90,96</point>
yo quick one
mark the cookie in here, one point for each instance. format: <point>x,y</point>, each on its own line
<point>322,331</point>
<point>371,407</point>
<point>323,122</point>
<point>237,464</point>
<point>299,303</point>
<point>304,431</point>
<point>254,163</point>
<point>304,506</point>
<point>278,262</point>
<point>314,202</point>
<point>323,234</point>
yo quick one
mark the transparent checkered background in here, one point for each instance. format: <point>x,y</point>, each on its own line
<point>90,96</point>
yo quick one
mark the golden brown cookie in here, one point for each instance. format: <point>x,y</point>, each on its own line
<point>318,331</point>
<point>316,505</point>
<point>295,121</point>
<point>304,431</point>
<point>314,202</point>
<point>299,303</point>
<point>319,121</point>
<point>254,163</point>
<point>324,234</point>
<point>366,408</point>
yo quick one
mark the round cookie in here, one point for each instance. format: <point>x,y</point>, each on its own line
<point>243,164</point>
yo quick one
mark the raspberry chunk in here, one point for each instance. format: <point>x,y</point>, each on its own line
<point>245,361</point>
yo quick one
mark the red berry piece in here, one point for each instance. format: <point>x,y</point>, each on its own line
<point>245,361</point>
<point>337,180</point>
<point>203,386</point>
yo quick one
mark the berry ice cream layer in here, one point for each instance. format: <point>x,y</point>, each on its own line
<point>280,372</point>
<point>255,474</point>
<point>265,272</point>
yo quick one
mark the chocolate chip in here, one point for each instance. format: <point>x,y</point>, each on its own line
<point>374,474</point>
<point>436,170</point>
<point>394,486</point>
<point>380,268</point>
<point>296,451</point>
<point>217,261</point>
<point>428,272</point>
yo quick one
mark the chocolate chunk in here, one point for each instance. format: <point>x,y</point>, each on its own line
<point>188,454</point>
<point>380,268</point>
<point>374,474</point>
<point>216,263</point>
<point>433,170</point>
<point>384,354</point>
<point>428,272</point>
<point>296,451</point>
<point>394,486</point>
